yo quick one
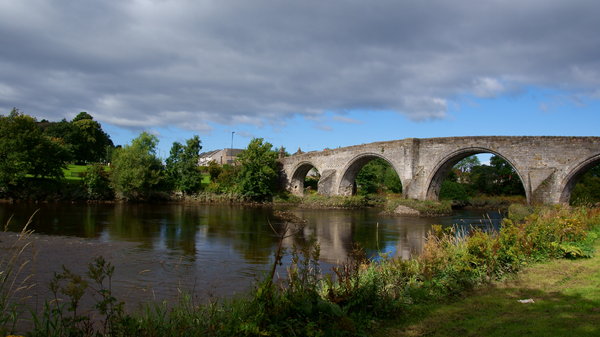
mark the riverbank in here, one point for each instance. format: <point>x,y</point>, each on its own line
<point>365,292</point>
<point>560,298</point>
<point>45,191</point>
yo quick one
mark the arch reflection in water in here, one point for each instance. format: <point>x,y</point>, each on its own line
<point>209,249</point>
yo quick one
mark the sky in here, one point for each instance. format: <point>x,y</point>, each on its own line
<point>305,74</point>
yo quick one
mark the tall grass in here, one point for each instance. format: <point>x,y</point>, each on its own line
<point>13,281</point>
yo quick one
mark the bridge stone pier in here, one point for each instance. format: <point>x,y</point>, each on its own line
<point>549,167</point>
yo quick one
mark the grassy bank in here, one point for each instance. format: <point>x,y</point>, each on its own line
<point>388,202</point>
<point>566,302</point>
<point>424,207</point>
<point>494,202</point>
<point>360,296</point>
<point>322,201</point>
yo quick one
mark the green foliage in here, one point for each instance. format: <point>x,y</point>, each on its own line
<point>90,141</point>
<point>425,207</point>
<point>452,190</point>
<point>519,212</point>
<point>214,170</point>
<point>587,189</point>
<point>226,180</point>
<point>378,176</point>
<point>136,171</point>
<point>467,164</point>
<point>469,179</point>
<point>366,180</point>
<point>182,166</point>
<point>259,171</point>
<point>62,316</point>
<point>25,150</point>
<point>83,138</point>
<point>97,183</point>
<point>499,178</point>
<point>335,201</point>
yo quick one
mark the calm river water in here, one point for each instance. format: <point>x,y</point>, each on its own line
<point>208,250</point>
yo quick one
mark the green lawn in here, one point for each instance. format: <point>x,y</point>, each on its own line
<point>566,295</point>
<point>205,178</point>
<point>74,172</point>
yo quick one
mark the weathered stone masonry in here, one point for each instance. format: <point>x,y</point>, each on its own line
<point>548,166</point>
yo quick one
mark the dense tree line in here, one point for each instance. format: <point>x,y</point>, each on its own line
<point>378,176</point>
<point>26,150</point>
<point>469,178</point>
<point>34,155</point>
<point>82,138</point>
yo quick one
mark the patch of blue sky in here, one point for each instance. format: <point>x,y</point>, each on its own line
<point>531,112</point>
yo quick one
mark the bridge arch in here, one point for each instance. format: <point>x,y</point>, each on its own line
<point>353,167</point>
<point>298,176</point>
<point>443,167</point>
<point>572,178</point>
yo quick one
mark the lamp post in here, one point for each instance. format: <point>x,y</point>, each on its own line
<point>231,148</point>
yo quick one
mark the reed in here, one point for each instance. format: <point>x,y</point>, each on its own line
<point>14,281</point>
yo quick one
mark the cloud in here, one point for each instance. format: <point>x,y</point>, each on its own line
<point>244,134</point>
<point>346,120</point>
<point>487,87</point>
<point>323,127</point>
<point>146,63</point>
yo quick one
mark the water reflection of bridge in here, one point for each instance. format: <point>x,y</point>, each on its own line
<point>336,234</point>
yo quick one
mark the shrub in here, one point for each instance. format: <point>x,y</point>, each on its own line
<point>97,183</point>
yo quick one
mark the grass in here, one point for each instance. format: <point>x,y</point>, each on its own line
<point>205,179</point>
<point>425,207</point>
<point>496,202</point>
<point>14,280</point>
<point>566,299</point>
<point>75,172</point>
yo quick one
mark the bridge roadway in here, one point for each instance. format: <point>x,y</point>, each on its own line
<point>548,166</point>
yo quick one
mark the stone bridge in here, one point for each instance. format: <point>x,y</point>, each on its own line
<point>549,167</point>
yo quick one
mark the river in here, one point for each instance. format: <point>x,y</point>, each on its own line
<point>211,251</point>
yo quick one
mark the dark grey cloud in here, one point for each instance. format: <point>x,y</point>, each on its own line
<point>143,63</point>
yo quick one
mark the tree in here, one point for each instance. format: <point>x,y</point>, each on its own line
<point>467,164</point>
<point>96,181</point>
<point>498,178</point>
<point>367,179</point>
<point>89,142</point>
<point>378,175</point>
<point>182,166</point>
<point>258,174</point>
<point>507,180</point>
<point>587,189</point>
<point>83,137</point>
<point>463,169</point>
<point>25,150</point>
<point>136,171</point>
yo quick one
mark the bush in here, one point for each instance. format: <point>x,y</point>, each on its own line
<point>97,183</point>
<point>257,178</point>
<point>453,191</point>
<point>137,172</point>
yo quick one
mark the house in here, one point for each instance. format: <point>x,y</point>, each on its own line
<point>221,157</point>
